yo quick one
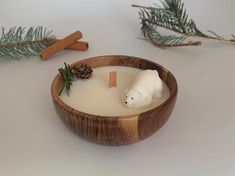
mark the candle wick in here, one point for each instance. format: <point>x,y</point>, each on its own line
<point>112,79</point>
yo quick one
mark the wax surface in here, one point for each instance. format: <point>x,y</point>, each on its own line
<point>94,96</point>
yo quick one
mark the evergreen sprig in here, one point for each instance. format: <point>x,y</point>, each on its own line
<point>68,76</point>
<point>79,71</point>
<point>167,40</point>
<point>17,43</point>
<point>162,41</point>
<point>171,15</point>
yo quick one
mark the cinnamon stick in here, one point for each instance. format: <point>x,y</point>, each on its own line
<point>112,79</point>
<point>78,45</point>
<point>60,45</point>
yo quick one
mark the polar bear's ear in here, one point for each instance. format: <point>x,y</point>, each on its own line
<point>126,90</point>
<point>139,93</point>
<point>156,72</point>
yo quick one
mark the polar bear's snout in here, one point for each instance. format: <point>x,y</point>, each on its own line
<point>132,96</point>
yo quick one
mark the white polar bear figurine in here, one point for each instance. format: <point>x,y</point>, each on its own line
<point>146,85</point>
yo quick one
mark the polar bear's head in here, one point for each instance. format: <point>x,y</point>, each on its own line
<point>132,97</point>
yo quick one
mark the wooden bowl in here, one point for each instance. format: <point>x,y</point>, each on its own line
<point>117,130</point>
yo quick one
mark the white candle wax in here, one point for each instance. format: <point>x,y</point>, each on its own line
<point>93,96</point>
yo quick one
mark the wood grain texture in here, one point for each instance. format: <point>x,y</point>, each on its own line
<point>116,130</point>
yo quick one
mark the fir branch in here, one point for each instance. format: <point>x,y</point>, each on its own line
<point>172,16</point>
<point>68,77</point>
<point>167,41</point>
<point>216,35</point>
<point>151,33</point>
<point>17,43</point>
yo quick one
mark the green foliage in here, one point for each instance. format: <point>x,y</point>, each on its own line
<point>159,40</point>
<point>180,19</point>
<point>17,43</point>
<point>68,77</point>
<point>216,35</point>
<point>171,15</point>
<point>233,37</point>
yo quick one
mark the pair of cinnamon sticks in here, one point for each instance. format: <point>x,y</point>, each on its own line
<point>69,42</point>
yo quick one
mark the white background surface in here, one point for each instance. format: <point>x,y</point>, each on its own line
<point>198,139</point>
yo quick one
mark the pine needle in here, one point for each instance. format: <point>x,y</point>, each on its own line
<point>160,40</point>
<point>216,35</point>
<point>233,37</point>
<point>68,77</point>
<point>171,15</point>
<point>18,43</point>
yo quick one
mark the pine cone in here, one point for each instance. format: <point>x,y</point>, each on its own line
<point>82,71</point>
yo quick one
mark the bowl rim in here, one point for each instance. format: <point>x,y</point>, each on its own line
<point>66,107</point>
